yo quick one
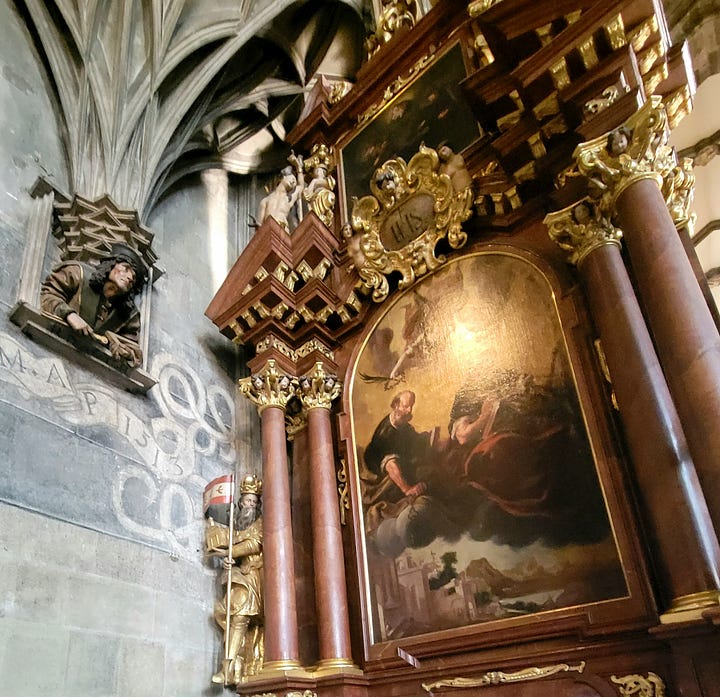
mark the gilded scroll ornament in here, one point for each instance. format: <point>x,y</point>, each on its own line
<point>318,389</point>
<point>395,15</point>
<point>637,150</point>
<point>343,491</point>
<point>608,97</point>
<point>651,686</point>
<point>397,84</point>
<point>497,677</point>
<point>413,206</point>
<point>580,229</point>
<point>678,190</point>
<point>268,388</point>
<point>294,423</point>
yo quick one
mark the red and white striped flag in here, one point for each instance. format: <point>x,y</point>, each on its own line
<point>218,492</point>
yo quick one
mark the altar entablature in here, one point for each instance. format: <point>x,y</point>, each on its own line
<point>541,79</point>
<point>287,295</point>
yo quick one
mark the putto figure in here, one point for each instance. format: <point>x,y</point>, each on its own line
<point>97,301</point>
<point>244,649</point>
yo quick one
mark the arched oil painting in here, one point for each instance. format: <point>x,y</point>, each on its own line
<point>480,495</point>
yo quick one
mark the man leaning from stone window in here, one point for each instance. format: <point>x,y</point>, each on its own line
<point>97,301</point>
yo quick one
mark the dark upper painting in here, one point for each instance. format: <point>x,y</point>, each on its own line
<point>430,110</point>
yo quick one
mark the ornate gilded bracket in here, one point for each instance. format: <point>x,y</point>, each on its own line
<point>651,686</point>
<point>580,229</point>
<point>497,677</point>
<point>268,388</point>
<point>413,206</point>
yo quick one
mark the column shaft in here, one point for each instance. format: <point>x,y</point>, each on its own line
<point>281,629</point>
<point>330,583</point>
<point>680,531</point>
<point>685,335</point>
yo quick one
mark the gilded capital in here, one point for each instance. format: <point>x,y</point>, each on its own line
<point>318,389</point>
<point>268,388</point>
<point>637,150</point>
<point>580,229</point>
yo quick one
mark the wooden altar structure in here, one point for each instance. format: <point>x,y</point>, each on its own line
<point>595,225</point>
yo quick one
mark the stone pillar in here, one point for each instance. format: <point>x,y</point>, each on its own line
<point>684,546</point>
<point>270,391</point>
<point>317,392</point>
<point>648,193</point>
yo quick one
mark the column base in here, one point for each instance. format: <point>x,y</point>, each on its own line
<point>331,666</point>
<point>688,608</point>
<point>280,667</point>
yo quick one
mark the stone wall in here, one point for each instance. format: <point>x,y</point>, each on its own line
<point>104,587</point>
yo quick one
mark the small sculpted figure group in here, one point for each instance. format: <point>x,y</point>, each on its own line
<point>291,190</point>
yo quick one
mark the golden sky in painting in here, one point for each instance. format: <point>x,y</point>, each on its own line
<point>481,313</point>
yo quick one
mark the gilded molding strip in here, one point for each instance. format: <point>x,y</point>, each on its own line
<point>272,342</point>
<point>393,88</point>
<point>497,677</point>
<point>651,686</point>
<point>294,423</point>
<point>602,360</point>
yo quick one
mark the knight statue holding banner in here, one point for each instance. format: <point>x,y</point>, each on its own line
<point>240,612</point>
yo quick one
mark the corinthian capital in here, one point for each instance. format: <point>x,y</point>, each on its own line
<point>268,388</point>
<point>579,229</point>
<point>637,150</point>
<point>318,389</point>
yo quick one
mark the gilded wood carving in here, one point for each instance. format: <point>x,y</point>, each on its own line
<point>412,207</point>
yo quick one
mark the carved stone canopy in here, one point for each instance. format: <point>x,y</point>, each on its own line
<point>86,229</point>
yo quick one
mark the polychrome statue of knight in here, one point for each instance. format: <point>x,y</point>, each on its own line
<point>243,564</point>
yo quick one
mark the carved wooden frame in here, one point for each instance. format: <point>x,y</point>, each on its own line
<point>375,124</point>
<point>636,610</point>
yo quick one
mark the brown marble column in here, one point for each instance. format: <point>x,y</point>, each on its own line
<point>685,334</point>
<point>317,392</point>
<point>684,547</point>
<point>270,391</point>
<point>648,193</point>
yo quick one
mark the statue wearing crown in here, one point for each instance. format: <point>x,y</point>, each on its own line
<point>240,612</point>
